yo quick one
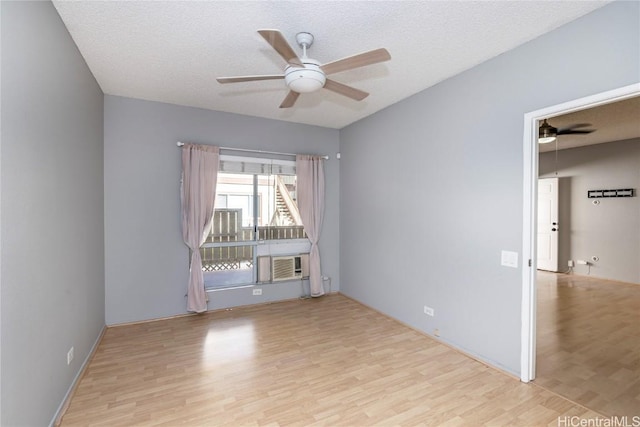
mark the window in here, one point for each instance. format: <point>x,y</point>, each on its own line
<point>255,205</point>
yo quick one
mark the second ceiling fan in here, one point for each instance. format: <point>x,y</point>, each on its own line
<point>548,133</point>
<point>303,75</point>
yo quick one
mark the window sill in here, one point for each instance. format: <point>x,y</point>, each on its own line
<point>253,285</point>
<point>230,288</point>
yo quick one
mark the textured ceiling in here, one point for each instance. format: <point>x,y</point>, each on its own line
<point>173,51</point>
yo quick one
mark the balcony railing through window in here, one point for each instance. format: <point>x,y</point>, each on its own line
<point>227,229</point>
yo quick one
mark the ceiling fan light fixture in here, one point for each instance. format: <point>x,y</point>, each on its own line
<point>546,139</point>
<point>546,133</point>
<point>304,80</point>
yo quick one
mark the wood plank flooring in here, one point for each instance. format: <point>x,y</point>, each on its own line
<point>588,342</point>
<point>325,362</point>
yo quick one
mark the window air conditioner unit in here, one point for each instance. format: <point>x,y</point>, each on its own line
<point>289,267</point>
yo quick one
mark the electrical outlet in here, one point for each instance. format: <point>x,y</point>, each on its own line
<point>257,291</point>
<point>570,263</point>
<point>429,311</point>
<point>69,356</point>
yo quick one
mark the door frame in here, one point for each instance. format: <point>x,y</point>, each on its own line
<point>530,206</point>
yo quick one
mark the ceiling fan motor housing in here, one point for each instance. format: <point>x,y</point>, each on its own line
<point>307,79</point>
<point>546,133</point>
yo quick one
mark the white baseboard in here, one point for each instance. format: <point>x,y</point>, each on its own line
<point>57,418</point>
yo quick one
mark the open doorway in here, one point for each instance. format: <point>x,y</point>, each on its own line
<point>531,245</point>
<point>530,184</point>
<point>587,309</point>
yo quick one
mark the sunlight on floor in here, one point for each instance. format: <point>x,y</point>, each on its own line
<point>229,343</point>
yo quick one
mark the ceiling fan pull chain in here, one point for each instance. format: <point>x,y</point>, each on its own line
<point>556,157</point>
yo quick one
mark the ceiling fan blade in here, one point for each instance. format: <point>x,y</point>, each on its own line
<point>571,132</point>
<point>290,99</point>
<point>348,91</point>
<point>279,43</point>
<point>249,78</point>
<point>575,125</point>
<point>355,61</point>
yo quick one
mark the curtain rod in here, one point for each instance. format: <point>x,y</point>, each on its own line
<point>180,144</point>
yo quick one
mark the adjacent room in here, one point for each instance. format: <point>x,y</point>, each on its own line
<point>358,254</point>
<point>588,252</point>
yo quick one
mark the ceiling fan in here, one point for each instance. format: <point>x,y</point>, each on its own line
<point>548,133</point>
<point>303,75</point>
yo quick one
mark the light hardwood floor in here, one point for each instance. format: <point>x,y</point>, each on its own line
<point>588,342</point>
<point>328,361</point>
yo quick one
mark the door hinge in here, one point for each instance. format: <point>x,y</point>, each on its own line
<point>529,263</point>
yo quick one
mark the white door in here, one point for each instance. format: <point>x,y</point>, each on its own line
<point>548,224</point>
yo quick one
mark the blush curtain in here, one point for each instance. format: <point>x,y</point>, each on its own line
<point>310,189</point>
<point>197,194</point>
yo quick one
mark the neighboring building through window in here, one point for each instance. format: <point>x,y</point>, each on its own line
<point>255,204</point>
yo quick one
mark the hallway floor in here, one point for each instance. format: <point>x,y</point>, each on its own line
<point>588,342</point>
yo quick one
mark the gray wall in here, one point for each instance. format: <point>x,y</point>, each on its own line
<point>609,230</point>
<point>146,259</point>
<point>52,212</point>
<point>431,188</point>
